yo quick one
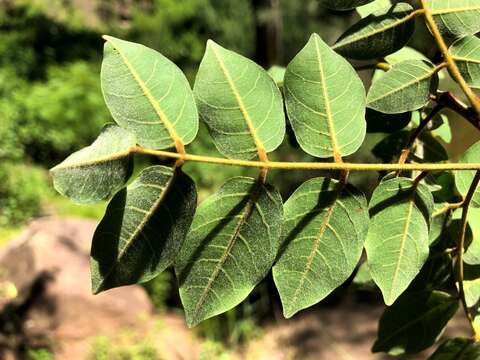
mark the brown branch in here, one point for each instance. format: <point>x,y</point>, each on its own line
<point>448,100</point>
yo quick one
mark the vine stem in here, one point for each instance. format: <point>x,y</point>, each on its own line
<point>461,251</point>
<point>452,66</point>
<point>308,165</point>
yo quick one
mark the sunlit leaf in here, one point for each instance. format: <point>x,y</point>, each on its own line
<point>457,349</point>
<point>471,284</point>
<point>371,7</point>
<point>231,246</point>
<point>466,53</point>
<point>472,252</point>
<point>97,171</point>
<point>147,94</point>
<point>456,18</point>
<point>463,179</point>
<point>239,102</point>
<point>405,87</point>
<point>323,236</point>
<point>380,33</point>
<point>414,322</point>
<point>277,73</point>
<point>397,241</point>
<point>143,228</point>
<point>344,4</point>
<point>325,101</point>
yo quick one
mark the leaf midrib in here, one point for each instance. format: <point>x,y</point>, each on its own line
<point>241,105</point>
<point>453,10</point>
<point>153,102</point>
<point>97,161</point>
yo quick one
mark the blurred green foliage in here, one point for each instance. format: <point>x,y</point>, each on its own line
<point>105,348</point>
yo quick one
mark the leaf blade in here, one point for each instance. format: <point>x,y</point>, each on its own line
<point>455,19</point>
<point>143,228</point>
<point>161,114</point>
<point>466,53</point>
<point>104,166</point>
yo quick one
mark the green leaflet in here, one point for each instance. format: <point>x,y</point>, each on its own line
<point>371,7</point>
<point>239,102</point>
<point>456,18</point>
<point>232,245</point>
<point>440,218</point>
<point>471,284</point>
<point>381,33</point>
<point>397,240</point>
<point>323,236</point>
<point>414,322</point>
<point>457,349</point>
<point>143,228</point>
<point>466,52</point>
<point>148,94</point>
<point>472,252</point>
<point>94,173</point>
<point>405,87</point>
<point>463,179</point>
<point>277,73</point>
<point>325,101</point>
<point>344,4</point>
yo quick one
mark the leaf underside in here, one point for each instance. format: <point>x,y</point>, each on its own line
<point>94,173</point>
<point>322,241</point>
<point>325,101</point>
<point>240,103</point>
<point>230,248</point>
<point>397,243</point>
<point>456,18</point>
<point>463,179</point>
<point>466,53</point>
<point>148,94</point>
<point>143,228</point>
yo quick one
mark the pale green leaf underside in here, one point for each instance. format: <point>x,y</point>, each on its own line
<point>466,53</point>
<point>456,18</point>
<point>94,173</point>
<point>463,179</point>
<point>381,33</point>
<point>457,349</point>
<point>143,228</point>
<point>471,284</point>
<point>148,94</point>
<point>325,101</point>
<point>370,8</point>
<point>414,322</point>
<point>240,103</point>
<point>397,243</point>
<point>405,87</point>
<point>344,4</point>
<point>322,241</point>
<point>472,252</point>
<point>230,248</point>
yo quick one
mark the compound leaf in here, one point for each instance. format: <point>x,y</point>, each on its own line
<point>231,246</point>
<point>325,101</point>
<point>463,179</point>
<point>143,228</point>
<point>344,4</point>
<point>94,173</point>
<point>380,33</point>
<point>456,18</point>
<point>457,349</point>
<point>397,243</point>
<point>147,94</point>
<point>414,322</point>
<point>323,236</point>
<point>240,103</point>
<point>466,53</point>
<point>405,87</point>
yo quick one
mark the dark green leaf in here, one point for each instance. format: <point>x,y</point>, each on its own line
<point>239,102</point>
<point>380,33</point>
<point>231,246</point>
<point>466,53</point>
<point>386,123</point>
<point>397,241</point>
<point>147,94</point>
<point>325,101</point>
<point>414,322</point>
<point>457,349</point>
<point>405,87</point>
<point>344,4</point>
<point>97,171</point>
<point>143,228</point>
<point>323,236</point>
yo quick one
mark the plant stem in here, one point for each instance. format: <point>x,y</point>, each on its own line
<point>461,250</point>
<point>451,102</point>
<point>451,64</point>
<point>416,133</point>
<point>309,165</point>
